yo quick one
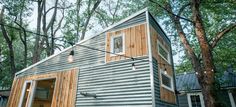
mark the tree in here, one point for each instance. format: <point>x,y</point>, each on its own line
<point>9,39</point>
<point>189,18</point>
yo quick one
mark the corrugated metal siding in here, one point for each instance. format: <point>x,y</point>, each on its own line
<point>115,84</point>
<point>141,18</point>
<point>3,101</point>
<point>183,100</point>
<point>158,28</point>
<point>83,57</point>
<point>158,101</point>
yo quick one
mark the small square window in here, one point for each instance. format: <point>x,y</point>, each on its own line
<point>163,52</point>
<point>195,100</point>
<point>117,44</point>
<point>166,81</point>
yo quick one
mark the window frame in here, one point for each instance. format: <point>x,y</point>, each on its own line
<point>112,44</point>
<point>33,89</point>
<point>23,93</point>
<point>231,98</point>
<point>201,99</point>
<point>168,53</point>
<point>171,81</point>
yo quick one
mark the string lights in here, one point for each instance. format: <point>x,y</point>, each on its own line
<point>71,55</point>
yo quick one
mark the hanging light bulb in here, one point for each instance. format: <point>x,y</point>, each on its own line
<point>70,57</point>
<point>133,67</point>
<point>196,73</point>
<point>185,73</point>
<point>165,72</point>
<point>205,72</point>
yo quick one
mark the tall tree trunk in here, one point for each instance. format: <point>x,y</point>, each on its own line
<point>37,50</point>
<point>9,44</point>
<point>206,80</point>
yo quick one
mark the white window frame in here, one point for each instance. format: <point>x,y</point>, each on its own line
<point>171,81</point>
<point>23,93</point>
<point>201,99</point>
<point>33,88</point>
<point>112,44</point>
<point>168,53</point>
<point>231,98</point>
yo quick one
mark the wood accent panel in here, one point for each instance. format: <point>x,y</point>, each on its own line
<point>64,92</point>
<point>135,42</point>
<point>165,94</point>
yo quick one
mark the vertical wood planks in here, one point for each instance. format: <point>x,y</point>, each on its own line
<point>135,42</point>
<point>165,94</point>
<point>64,94</point>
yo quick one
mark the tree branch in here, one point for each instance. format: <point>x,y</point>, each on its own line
<point>182,9</point>
<point>221,34</point>
<point>171,12</point>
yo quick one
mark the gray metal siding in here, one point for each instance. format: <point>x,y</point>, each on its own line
<point>115,84</point>
<point>83,57</point>
<point>158,101</point>
<point>141,18</point>
<point>183,100</point>
<point>3,101</point>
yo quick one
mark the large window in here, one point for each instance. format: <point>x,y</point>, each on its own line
<point>117,44</point>
<point>195,100</point>
<point>37,93</point>
<point>166,81</point>
<point>163,52</point>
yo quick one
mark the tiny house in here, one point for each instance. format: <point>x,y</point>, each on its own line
<point>128,64</point>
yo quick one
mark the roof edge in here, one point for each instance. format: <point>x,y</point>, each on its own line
<point>116,24</point>
<point>43,60</point>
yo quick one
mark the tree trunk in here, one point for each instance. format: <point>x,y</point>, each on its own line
<point>207,79</point>
<point>37,50</point>
<point>90,13</point>
<point>9,43</point>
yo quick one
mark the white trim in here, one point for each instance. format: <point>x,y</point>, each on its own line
<point>168,53</point>
<point>201,99</point>
<point>23,92</point>
<point>149,47</point>
<point>231,98</point>
<point>171,81</point>
<point>112,44</point>
<point>120,22</point>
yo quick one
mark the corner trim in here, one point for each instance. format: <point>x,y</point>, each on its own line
<point>150,61</point>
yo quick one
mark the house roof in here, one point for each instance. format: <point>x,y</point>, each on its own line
<point>189,82</point>
<point>106,29</point>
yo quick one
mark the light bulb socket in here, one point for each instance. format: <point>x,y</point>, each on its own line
<point>72,52</point>
<point>133,66</point>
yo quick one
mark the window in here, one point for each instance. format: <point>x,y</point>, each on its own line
<point>117,44</point>
<point>163,52</point>
<point>166,81</point>
<point>25,97</point>
<point>43,93</point>
<point>37,93</point>
<point>195,100</point>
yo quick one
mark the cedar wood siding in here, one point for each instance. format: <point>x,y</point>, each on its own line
<point>163,97</point>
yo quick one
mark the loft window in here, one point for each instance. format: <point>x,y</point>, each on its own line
<point>195,100</point>
<point>117,44</point>
<point>163,52</point>
<point>166,81</point>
